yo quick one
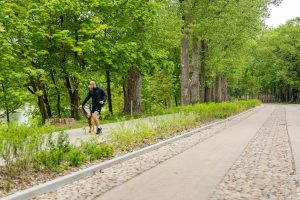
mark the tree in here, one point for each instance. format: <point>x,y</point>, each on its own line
<point>273,67</point>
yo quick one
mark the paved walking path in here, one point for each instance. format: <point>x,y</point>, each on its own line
<point>293,126</point>
<point>255,156</point>
<point>196,173</point>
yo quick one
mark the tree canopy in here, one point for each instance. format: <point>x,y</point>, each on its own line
<point>148,54</point>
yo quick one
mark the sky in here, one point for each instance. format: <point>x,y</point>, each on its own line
<point>288,9</point>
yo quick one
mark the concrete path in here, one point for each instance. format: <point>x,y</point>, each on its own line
<point>293,126</point>
<point>195,173</point>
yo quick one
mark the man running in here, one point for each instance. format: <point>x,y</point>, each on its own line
<point>98,99</point>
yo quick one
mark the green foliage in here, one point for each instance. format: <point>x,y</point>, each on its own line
<point>273,65</point>
<point>76,157</point>
<point>96,151</point>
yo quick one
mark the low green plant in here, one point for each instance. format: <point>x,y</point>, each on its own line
<point>31,148</point>
<point>76,157</point>
<point>97,151</point>
<point>18,146</point>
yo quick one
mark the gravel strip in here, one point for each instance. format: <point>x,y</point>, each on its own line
<point>99,183</point>
<point>265,169</point>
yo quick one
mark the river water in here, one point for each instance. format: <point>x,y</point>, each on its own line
<point>21,116</point>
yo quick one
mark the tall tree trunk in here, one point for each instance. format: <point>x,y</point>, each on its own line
<point>76,103</point>
<point>108,82</point>
<point>42,109</point>
<point>218,89</point>
<point>290,94</point>
<point>7,116</point>
<point>57,94</point>
<point>202,63</point>
<point>184,76</point>
<point>225,90</point>
<point>195,75</point>
<point>73,95</point>
<point>213,92</point>
<point>35,87</point>
<point>134,91</point>
<point>47,103</point>
<point>207,94</point>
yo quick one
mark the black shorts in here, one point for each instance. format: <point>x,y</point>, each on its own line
<point>98,109</point>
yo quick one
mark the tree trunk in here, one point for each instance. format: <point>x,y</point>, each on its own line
<point>57,94</point>
<point>108,82</point>
<point>42,109</point>
<point>176,102</point>
<point>7,116</point>
<point>73,95</point>
<point>76,103</point>
<point>184,76</point>
<point>213,92</point>
<point>207,94</point>
<point>290,93</point>
<point>41,104</point>
<point>202,63</point>
<point>225,90</point>
<point>218,89</point>
<point>195,75</point>
<point>134,91</point>
<point>46,101</point>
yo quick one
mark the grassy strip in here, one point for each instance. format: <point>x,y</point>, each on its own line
<point>29,149</point>
<point>128,137</point>
<point>106,117</point>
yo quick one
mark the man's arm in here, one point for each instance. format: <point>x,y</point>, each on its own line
<point>104,96</point>
<point>88,96</point>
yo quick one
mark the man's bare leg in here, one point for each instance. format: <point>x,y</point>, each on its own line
<point>96,119</point>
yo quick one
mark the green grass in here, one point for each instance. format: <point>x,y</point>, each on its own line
<point>127,138</point>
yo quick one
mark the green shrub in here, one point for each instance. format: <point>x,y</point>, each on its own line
<point>76,157</point>
<point>19,144</point>
<point>52,155</point>
<point>97,151</point>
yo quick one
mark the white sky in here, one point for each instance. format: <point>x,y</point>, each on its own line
<point>288,9</point>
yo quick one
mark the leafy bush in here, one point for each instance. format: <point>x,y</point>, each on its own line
<point>76,157</point>
<point>53,154</point>
<point>97,151</point>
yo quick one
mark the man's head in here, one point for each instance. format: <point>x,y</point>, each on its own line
<point>92,85</point>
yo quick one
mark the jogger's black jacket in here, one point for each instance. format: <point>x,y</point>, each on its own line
<point>97,95</point>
